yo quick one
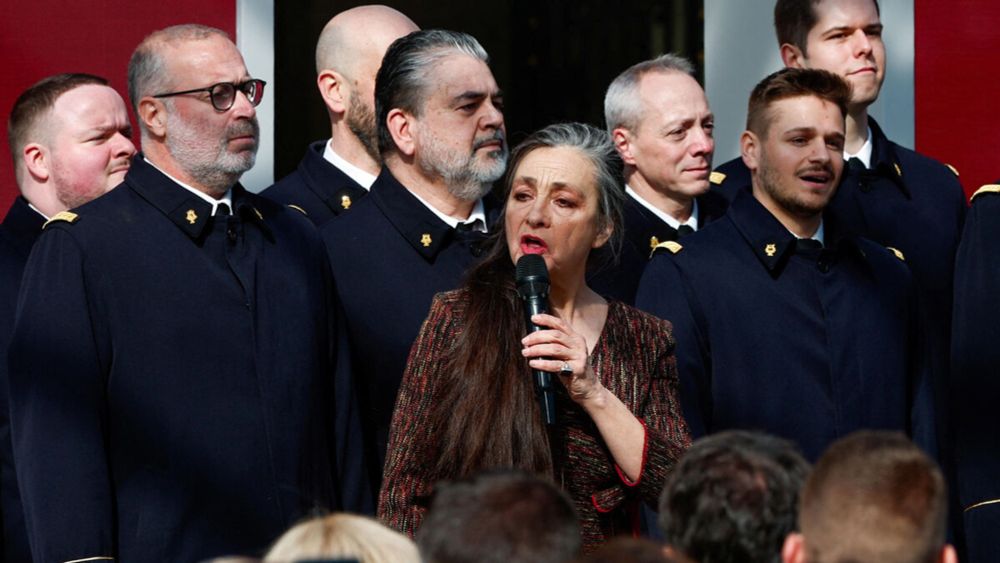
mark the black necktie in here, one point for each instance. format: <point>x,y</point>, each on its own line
<point>469,227</point>
<point>683,231</point>
<point>856,166</point>
<point>221,209</point>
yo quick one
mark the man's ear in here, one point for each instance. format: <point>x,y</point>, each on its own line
<point>792,56</point>
<point>36,161</point>
<point>400,127</point>
<point>948,554</point>
<point>750,149</point>
<point>152,114</point>
<point>794,549</point>
<point>334,90</point>
<point>622,139</point>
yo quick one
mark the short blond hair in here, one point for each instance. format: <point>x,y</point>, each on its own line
<point>343,535</point>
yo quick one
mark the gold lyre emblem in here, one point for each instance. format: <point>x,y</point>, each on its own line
<point>345,201</point>
<point>191,216</point>
<point>426,239</point>
<point>653,242</point>
<point>770,249</point>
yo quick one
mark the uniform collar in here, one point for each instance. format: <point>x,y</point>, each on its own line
<point>424,230</point>
<point>185,209</point>
<point>330,184</point>
<point>884,160</point>
<point>361,177</point>
<point>23,224</point>
<point>769,240</point>
<point>663,216</point>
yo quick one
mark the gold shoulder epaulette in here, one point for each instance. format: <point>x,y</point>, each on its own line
<point>952,168</point>
<point>299,209</point>
<point>673,246</point>
<point>898,253</point>
<point>987,189</point>
<point>717,177</point>
<point>67,216</point>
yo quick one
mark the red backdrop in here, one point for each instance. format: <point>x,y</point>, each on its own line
<point>46,37</point>
<point>957,55</point>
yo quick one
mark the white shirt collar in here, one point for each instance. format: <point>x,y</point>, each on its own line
<point>35,209</point>
<point>819,235</point>
<point>478,213</point>
<point>227,198</point>
<point>864,154</point>
<point>666,217</point>
<point>364,179</point>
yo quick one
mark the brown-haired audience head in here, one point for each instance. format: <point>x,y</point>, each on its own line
<point>732,498</point>
<point>873,497</point>
<point>499,517</point>
<point>69,138</point>
<point>343,536</point>
<point>794,144</point>
<point>840,36</point>
<point>624,549</point>
<point>206,140</point>
<point>348,55</point>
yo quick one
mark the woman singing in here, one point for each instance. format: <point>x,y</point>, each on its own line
<point>467,400</point>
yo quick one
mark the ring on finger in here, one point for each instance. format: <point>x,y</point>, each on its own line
<point>566,369</point>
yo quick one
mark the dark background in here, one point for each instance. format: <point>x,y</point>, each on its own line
<point>553,60</point>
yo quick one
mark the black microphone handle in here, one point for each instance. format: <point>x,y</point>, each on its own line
<point>536,305</point>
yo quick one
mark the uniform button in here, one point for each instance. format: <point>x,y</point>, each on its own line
<point>231,234</point>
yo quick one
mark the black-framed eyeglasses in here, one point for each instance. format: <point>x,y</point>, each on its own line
<point>223,94</point>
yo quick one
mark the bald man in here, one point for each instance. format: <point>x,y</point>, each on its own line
<point>334,174</point>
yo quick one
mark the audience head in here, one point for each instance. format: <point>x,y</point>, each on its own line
<point>499,517</point>
<point>195,102</point>
<point>840,36</point>
<point>348,55</point>
<point>439,112</point>
<point>659,119</point>
<point>873,497</point>
<point>625,549</point>
<point>69,137</point>
<point>732,498</point>
<point>343,536</point>
<point>794,140</point>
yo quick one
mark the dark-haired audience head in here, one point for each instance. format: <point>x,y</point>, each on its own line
<point>499,517</point>
<point>439,113</point>
<point>69,136</point>
<point>348,55</point>
<point>873,497</point>
<point>840,36</point>
<point>625,549</point>
<point>732,498</point>
<point>794,142</point>
<point>343,537</point>
<point>659,119</point>
<point>204,140</point>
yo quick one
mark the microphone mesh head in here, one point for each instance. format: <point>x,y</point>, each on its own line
<point>532,267</point>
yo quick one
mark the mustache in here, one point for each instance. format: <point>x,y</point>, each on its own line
<point>243,129</point>
<point>822,168</point>
<point>496,136</point>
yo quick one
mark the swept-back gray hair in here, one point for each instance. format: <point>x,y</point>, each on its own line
<point>621,102</point>
<point>404,78</point>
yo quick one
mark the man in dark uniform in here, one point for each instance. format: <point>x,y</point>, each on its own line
<point>69,136</point>
<point>169,367</point>
<point>889,194</point>
<point>975,386</point>
<point>659,119</point>
<point>441,133</point>
<point>335,174</point>
<point>784,323</point>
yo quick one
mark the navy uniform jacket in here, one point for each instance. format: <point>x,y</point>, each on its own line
<point>169,376</point>
<point>643,231</point>
<point>915,204</point>
<point>317,187</point>
<point>808,346</point>
<point>390,255</point>
<point>975,381</point>
<point>18,233</point>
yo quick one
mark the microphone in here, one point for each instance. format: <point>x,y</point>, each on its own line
<point>533,288</point>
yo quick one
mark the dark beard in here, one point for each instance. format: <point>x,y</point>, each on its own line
<point>361,122</point>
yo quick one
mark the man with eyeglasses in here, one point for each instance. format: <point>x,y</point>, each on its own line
<point>335,173</point>
<point>170,388</point>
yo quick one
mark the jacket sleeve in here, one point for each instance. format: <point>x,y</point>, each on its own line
<point>407,479</point>
<point>58,362</point>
